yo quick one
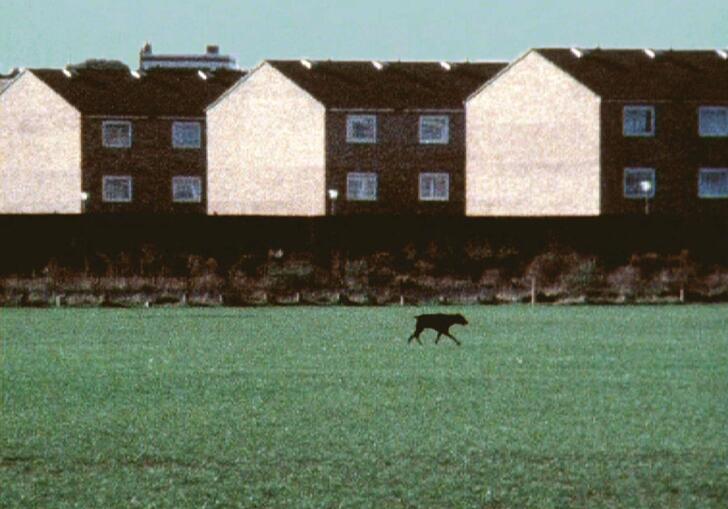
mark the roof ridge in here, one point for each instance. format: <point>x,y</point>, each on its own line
<point>369,61</point>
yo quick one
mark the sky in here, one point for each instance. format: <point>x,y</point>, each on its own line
<point>53,33</point>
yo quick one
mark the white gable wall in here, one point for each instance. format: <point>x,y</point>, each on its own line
<point>266,149</point>
<point>40,150</point>
<point>532,144</point>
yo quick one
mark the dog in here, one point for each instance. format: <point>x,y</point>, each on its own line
<point>440,323</point>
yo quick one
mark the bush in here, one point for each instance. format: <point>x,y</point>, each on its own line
<point>150,261</point>
<point>582,278</point>
<point>625,281</point>
<point>247,264</point>
<point>551,267</point>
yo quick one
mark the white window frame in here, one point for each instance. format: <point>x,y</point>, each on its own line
<point>713,196</point>
<point>445,134</point>
<point>641,195</point>
<point>430,187</point>
<point>710,134</point>
<point>179,179</point>
<point>116,123</point>
<point>634,107</point>
<point>351,119</point>
<point>107,199</point>
<point>361,175</point>
<point>186,124</point>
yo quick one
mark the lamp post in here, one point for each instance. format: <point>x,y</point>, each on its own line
<point>333,195</point>
<point>84,199</point>
<point>84,238</point>
<point>646,188</point>
<point>335,252</point>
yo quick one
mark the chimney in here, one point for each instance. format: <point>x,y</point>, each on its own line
<point>213,49</point>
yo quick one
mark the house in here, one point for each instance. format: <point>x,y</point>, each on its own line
<point>98,137</point>
<point>316,138</point>
<point>600,132</point>
<point>211,60</point>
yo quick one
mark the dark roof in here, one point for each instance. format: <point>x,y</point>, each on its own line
<point>631,74</point>
<point>397,85</point>
<point>156,92</point>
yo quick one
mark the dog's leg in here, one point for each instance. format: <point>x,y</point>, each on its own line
<point>453,338</point>
<point>415,335</point>
<point>439,335</point>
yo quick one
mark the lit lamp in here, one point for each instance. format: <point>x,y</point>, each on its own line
<point>84,199</point>
<point>646,188</point>
<point>333,195</point>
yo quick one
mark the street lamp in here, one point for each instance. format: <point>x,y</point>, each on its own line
<point>646,188</point>
<point>335,249</point>
<point>84,199</point>
<point>84,238</point>
<point>333,195</point>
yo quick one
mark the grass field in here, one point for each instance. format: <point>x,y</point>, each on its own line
<point>329,407</point>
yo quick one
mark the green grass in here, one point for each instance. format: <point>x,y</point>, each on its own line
<point>329,407</point>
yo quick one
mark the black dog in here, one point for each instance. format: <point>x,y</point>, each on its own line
<point>438,322</point>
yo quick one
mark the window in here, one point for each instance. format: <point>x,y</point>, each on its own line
<point>187,189</point>
<point>186,135</point>
<point>116,134</point>
<point>434,129</point>
<point>117,189</point>
<point>713,121</point>
<point>361,186</point>
<point>713,183</point>
<point>639,182</point>
<point>434,186</point>
<point>639,121</point>
<point>361,128</point>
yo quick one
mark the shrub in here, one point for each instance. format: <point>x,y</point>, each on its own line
<point>549,268</point>
<point>625,281</point>
<point>150,261</point>
<point>582,278</point>
<point>247,264</point>
<point>381,271</point>
<point>715,284</point>
<point>476,257</point>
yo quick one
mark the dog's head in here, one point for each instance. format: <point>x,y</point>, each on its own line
<point>460,319</point>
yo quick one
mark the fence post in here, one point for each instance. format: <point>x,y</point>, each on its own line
<point>533,291</point>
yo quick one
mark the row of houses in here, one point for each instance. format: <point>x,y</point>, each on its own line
<point>558,132</point>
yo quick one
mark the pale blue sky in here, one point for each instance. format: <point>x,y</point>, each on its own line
<point>36,33</point>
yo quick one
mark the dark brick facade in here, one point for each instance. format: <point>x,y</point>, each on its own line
<point>151,161</point>
<point>398,158</point>
<point>676,152</point>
